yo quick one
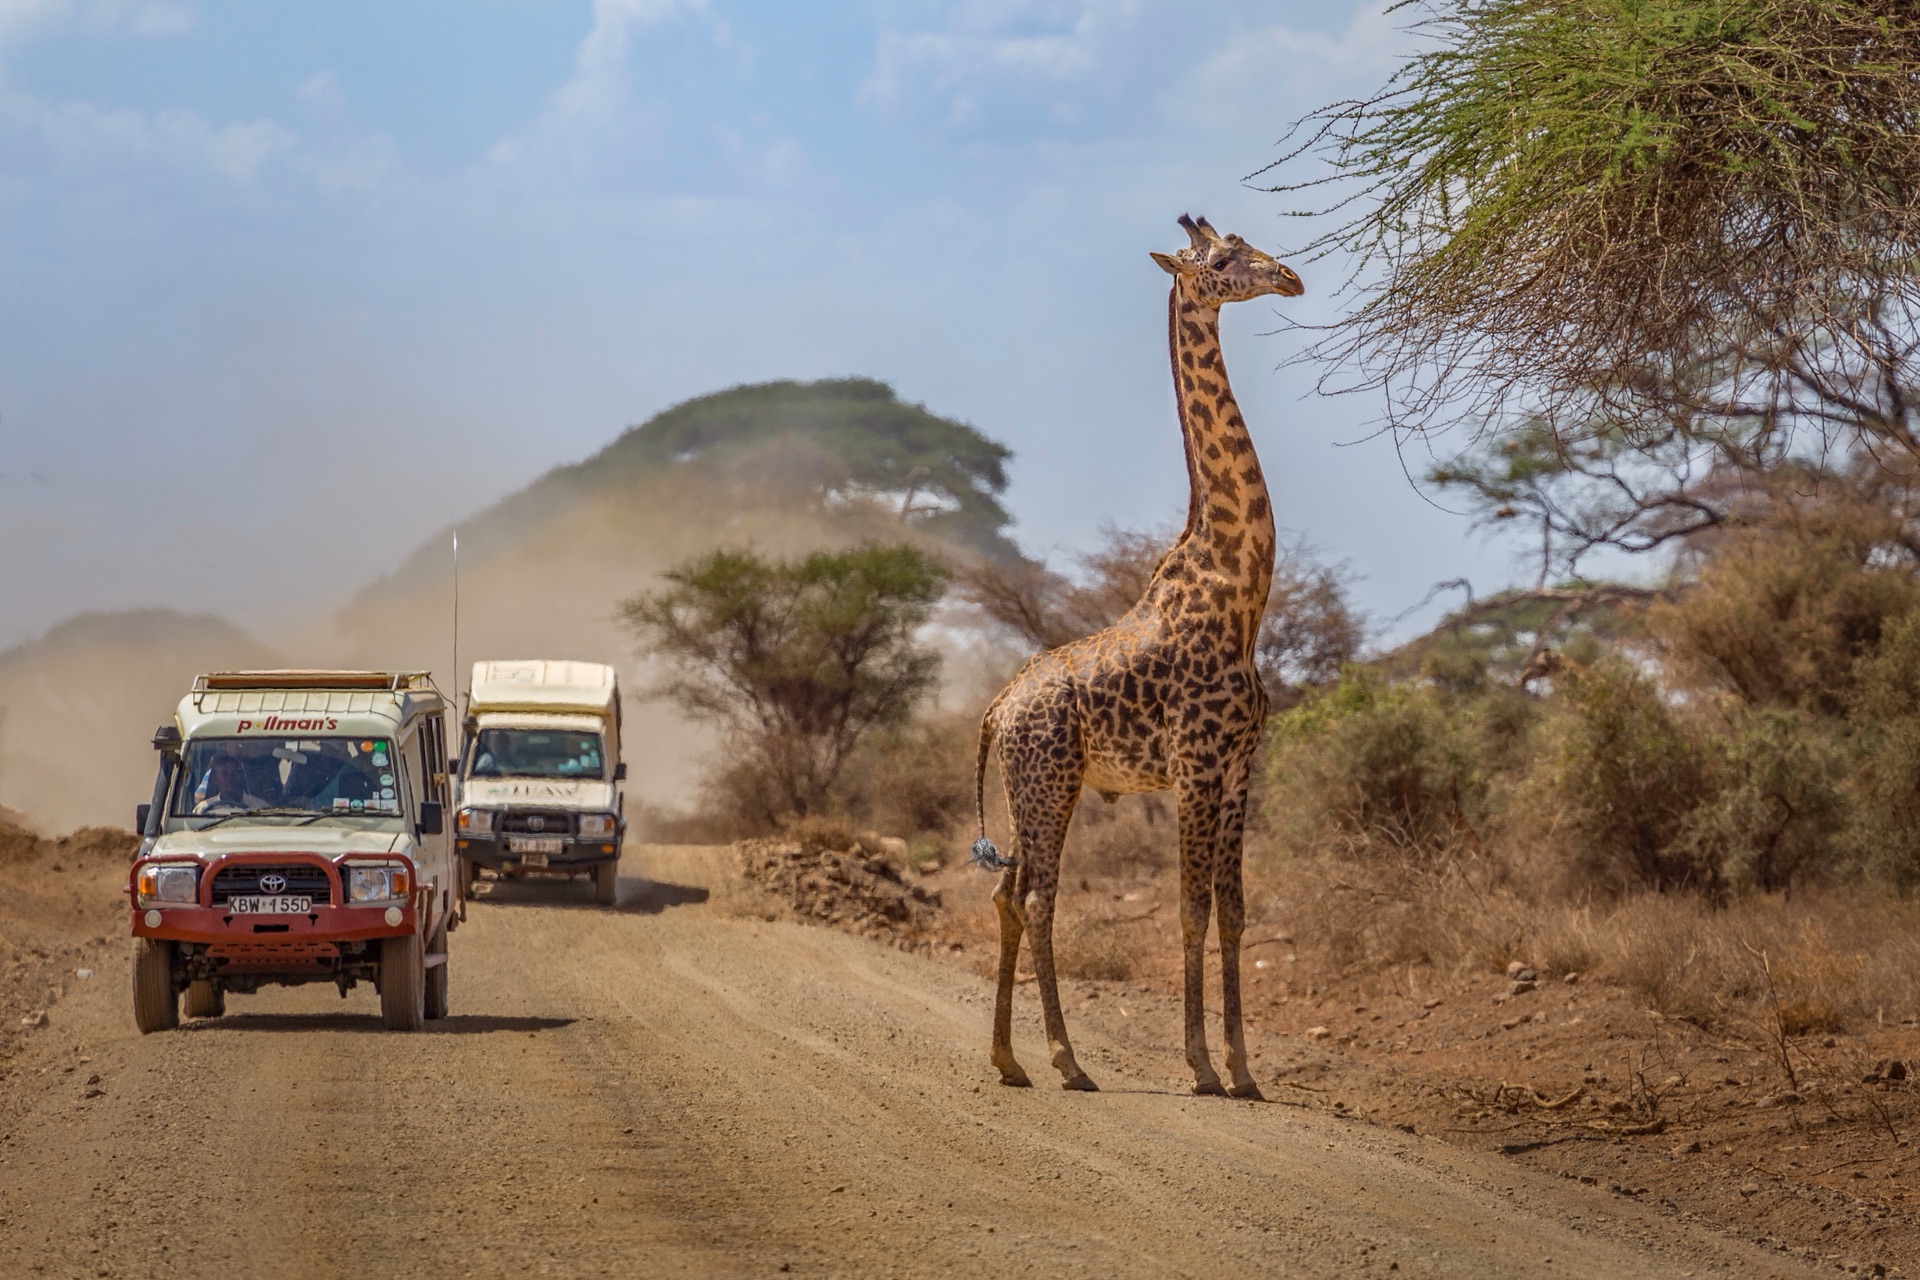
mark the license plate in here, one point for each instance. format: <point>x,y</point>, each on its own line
<point>282,904</point>
<point>533,844</point>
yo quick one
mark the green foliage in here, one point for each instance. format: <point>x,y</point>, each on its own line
<point>1884,835</point>
<point>796,660</point>
<point>1553,188</point>
<point>1767,815</point>
<point>1622,779</point>
<point>1375,768</point>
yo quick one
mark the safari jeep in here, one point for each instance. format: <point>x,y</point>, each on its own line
<point>296,834</point>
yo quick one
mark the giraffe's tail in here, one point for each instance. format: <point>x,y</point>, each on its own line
<point>984,854</point>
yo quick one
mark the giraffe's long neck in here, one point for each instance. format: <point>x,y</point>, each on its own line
<point>1229,513</point>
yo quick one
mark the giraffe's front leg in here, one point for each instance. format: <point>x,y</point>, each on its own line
<point>1199,818</point>
<point>1010,926</point>
<point>1230,894</point>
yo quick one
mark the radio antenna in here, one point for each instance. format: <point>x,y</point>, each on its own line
<point>459,705</point>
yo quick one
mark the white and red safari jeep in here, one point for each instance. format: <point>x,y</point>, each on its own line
<point>297,833</point>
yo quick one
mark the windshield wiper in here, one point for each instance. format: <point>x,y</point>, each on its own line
<point>255,813</point>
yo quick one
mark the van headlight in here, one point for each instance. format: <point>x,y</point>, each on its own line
<point>377,884</point>
<point>176,883</point>
<point>597,824</point>
<point>477,822</point>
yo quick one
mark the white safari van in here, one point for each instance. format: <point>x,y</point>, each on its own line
<point>539,764</point>
<point>297,833</point>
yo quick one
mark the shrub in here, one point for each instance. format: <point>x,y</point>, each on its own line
<point>1883,835</point>
<point>1374,768</point>
<point>1780,615</point>
<point>1620,783</point>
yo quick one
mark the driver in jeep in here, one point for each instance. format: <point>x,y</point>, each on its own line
<point>227,785</point>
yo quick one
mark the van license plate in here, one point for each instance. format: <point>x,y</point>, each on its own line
<point>533,844</point>
<point>270,905</point>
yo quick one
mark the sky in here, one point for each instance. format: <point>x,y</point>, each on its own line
<point>286,288</point>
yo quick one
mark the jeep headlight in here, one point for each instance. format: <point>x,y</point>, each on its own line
<point>377,884</point>
<point>597,824</point>
<point>177,883</point>
<point>477,822</point>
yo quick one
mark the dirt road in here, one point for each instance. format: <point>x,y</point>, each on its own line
<point>663,1089</point>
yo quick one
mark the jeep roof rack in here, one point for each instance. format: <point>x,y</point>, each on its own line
<point>385,681</point>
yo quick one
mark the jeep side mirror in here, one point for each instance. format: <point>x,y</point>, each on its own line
<point>620,772</point>
<point>432,819</point>
<point>140,812</point>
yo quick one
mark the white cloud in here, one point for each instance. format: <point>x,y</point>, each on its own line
<point>993,47</point>
<point>85,134</point>
<point>600,90</point>
<point>147,19</point>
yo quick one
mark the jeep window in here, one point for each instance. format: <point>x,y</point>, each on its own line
<point>536,753</point>
<point>325,777</point>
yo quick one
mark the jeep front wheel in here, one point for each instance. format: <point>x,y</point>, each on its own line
<point>403,983</point>
<point>156,1006</point>
<point>606,883</point>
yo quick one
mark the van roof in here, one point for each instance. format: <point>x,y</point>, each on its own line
<point>391,681</point>
<point>543,684</point>
<point>373,703</point>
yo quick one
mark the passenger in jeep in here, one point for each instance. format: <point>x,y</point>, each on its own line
<point>228,787</point>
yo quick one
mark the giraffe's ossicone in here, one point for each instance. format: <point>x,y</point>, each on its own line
<point>1166,698</point>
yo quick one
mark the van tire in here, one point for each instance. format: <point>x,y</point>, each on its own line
<point>156,1005</point>
<point>403,983</point>
<point>467,876</point>
<point>204,1000</point>
<point>437,977</point>
<point>606,883</point>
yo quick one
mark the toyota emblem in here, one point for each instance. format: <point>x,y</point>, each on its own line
<point>536,823</point>
<point>272,883</point>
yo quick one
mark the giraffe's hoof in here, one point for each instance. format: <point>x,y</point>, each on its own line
<point>1080,1082</point>
<point>1209,1089</point>
<point>1249,1091</point>
<point>1015,1079</point>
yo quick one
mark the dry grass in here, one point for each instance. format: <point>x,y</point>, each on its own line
<point>1839,957</point>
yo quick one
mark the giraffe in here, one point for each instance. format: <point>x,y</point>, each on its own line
<point>1165,698</point>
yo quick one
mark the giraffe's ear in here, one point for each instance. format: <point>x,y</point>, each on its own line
<point>1171,265</point>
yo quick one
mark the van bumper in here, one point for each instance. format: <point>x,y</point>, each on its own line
<point>577,853</point>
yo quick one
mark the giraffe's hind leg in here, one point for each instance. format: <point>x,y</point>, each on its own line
<point>1007,904</point>
<point>1040,901</point>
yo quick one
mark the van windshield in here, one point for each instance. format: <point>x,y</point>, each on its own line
<point>536,753</point>
<point>325,776</point>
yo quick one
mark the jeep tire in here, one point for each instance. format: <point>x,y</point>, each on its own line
<point>437,976</point>
<point>156,1005</point>
<point>204,1000</point>
<point>606,883</point>
<point>403,983</point>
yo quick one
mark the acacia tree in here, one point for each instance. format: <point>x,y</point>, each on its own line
<point>795,660</point>
<point>1646,249</point>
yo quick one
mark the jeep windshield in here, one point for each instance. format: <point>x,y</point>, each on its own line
<point>303,778</point>
<point>536,753</point>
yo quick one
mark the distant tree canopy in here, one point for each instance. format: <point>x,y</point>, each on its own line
<point>837,443</point>
<point>795,660</point>
<point>1657,251</point>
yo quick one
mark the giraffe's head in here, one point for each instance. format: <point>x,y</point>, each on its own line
<point>1221,269</point>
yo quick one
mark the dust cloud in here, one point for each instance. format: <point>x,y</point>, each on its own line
<point>78,706</point>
